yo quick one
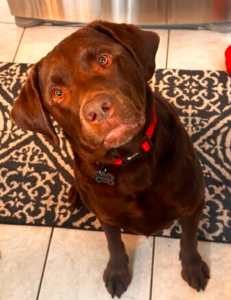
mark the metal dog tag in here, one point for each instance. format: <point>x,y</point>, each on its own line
<point>103,177</point>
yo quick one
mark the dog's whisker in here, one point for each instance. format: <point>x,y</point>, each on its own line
<point>106,119</point>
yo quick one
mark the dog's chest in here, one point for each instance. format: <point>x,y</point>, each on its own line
<point>142,213</point>
<point>132,203</point>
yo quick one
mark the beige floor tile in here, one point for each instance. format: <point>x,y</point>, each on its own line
<point>5,15</point>
<point>38,41</point>
<point>161,55</point>
<point>23,251</point>
<point>167,281</point>
<point>197,49</point>
<point>10,36</point>
<point>77,260</point>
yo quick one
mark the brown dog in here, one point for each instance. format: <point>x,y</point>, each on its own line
<point>135,166</point>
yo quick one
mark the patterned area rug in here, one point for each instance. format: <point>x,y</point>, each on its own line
<point>35,176</point>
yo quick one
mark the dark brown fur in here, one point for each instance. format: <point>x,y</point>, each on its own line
<point>150,192</point>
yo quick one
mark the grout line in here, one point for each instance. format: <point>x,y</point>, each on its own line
<point>153,254</point>
<point>45,262</point>
<point>167,49</point>
<point>19,44</point>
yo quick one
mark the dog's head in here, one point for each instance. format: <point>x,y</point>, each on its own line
<point>94,85</point>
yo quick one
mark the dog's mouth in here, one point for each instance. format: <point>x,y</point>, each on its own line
<point>122,134</point>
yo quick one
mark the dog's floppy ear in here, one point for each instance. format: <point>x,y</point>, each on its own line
<point>141,44</point>
<point>29,112</point>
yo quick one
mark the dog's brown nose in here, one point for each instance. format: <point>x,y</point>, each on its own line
<point>98,109</point>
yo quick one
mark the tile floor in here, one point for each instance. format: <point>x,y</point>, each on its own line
<point>45,264</point>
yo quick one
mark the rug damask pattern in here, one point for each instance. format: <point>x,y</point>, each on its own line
<point>35,175</point>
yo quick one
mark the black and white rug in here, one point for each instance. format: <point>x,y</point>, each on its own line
<point>35,175</point>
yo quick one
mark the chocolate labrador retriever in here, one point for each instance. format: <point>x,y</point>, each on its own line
<point>134,164</point>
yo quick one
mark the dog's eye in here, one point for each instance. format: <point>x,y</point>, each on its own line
<point>104,59</point>
<point>58,94</point>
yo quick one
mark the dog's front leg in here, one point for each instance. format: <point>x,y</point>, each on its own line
<point>116,276</point>
<point>194,270</point>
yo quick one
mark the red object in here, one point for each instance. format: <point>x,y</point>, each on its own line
<point>118,161</point>
<point>228,59</point>
<point>146,144</point>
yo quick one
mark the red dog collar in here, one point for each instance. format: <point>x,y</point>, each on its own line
<point>146,145</point>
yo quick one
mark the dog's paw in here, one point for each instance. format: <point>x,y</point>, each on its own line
<point>117,280</point>
<point>74,198</point>
<point>196,275</point>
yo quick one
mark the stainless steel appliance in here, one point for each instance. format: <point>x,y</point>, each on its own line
<point>139,12</point>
